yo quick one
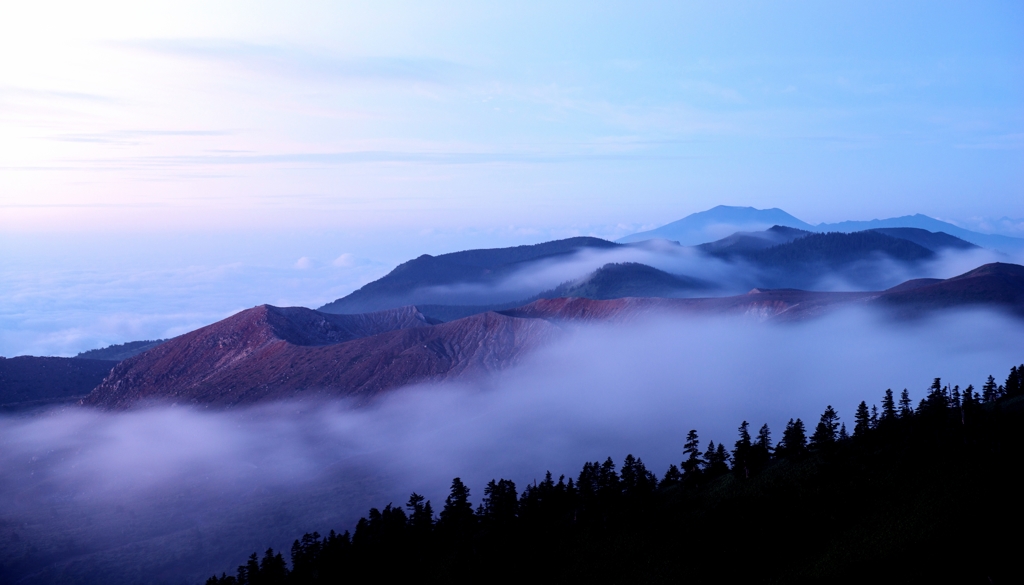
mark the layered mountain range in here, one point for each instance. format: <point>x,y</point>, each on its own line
<point>277,353</point>
<point>723,220</point>
<point>467,314</point>
<point>460,284</point>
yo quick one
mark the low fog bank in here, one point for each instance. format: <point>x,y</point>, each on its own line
<point>171,494</point>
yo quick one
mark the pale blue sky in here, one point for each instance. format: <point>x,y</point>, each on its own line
<point>140,137</point>
<point>474,115</point>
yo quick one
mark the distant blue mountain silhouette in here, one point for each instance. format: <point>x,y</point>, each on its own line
<point>719,222</point>
<point>995,242</point>
<point>723,220</point>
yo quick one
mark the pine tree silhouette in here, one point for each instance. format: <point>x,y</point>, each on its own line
<point>741,451</point>
<point>691,466</point>
<point>862,420</point>
<point>825,433</point>
<point>1013,386</point>
<point>906,406</point>
<point>990,392</point>
<point>794,439</point>
<point>888,407</point>
<point>457,520</point>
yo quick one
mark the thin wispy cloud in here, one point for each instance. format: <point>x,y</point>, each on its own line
<point>128,137</point>
<point>296,62</point>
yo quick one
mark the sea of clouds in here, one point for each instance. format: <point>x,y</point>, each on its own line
<point>174,494</point>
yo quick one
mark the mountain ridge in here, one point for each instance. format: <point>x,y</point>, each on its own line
<point>269,353</point>
<point>401,286</point>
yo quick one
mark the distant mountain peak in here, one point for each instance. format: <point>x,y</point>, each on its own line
<point>719,222</point>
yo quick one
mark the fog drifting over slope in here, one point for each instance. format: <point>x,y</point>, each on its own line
<point>174,494</point>
<point>726,277</point>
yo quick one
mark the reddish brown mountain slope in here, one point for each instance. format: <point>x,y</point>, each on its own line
<point>254,356</point>
<point>997,285</point>
<point>768,304</point>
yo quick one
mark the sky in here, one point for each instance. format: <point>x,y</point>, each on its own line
<point>150,151</point>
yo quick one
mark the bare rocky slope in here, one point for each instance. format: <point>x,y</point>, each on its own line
<point>273,353</point>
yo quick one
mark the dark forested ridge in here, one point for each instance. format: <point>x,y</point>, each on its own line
<point>30,381</point>
<point>406,283</point>
<point>120,352</point>
<point>836,249</point>
<point>906,493</point>
<point>626,279</point>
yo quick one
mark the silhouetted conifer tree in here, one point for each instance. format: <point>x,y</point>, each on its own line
<point>937,400</point>
<point>421,515</point>
<point>761,450</point>
<point>273,570</point>
<point>873,421</point>
<point>990,392</point>
<point>722,456</point>
<point>636,479</point>
<point>764,438</point>
<point>672,477</point>
<point>906,406</point>
<point>1014,385</point>
<point>968,402</point>
<point>716,460</point>
<point>691,466</point>
<point>794,439</point>
<point>305,553</point>
<point>587,482</point>
<point>741,451</point>
<point>862,420</point>
<point>249,573</point>
<point>888,407</point>
<point>607,478</point>
<point>500,503</point>
<point>825,433</point>
<point>457,517</point>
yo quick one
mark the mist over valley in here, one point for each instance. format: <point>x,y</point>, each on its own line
<point>307,293</point>
<point>245,433</point>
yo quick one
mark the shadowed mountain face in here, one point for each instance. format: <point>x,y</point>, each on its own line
<point>428,279</point>
<point>923,222</point>
<point>934,241</point>
<point>747,242</point>
<point>628,279</point>
<point>836,250</point>
<point>28,381</point>
<point>808,260</point>
<point>268,353</point>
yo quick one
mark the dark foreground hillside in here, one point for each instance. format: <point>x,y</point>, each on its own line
<point>29,381</point>
<point>919,494</point>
